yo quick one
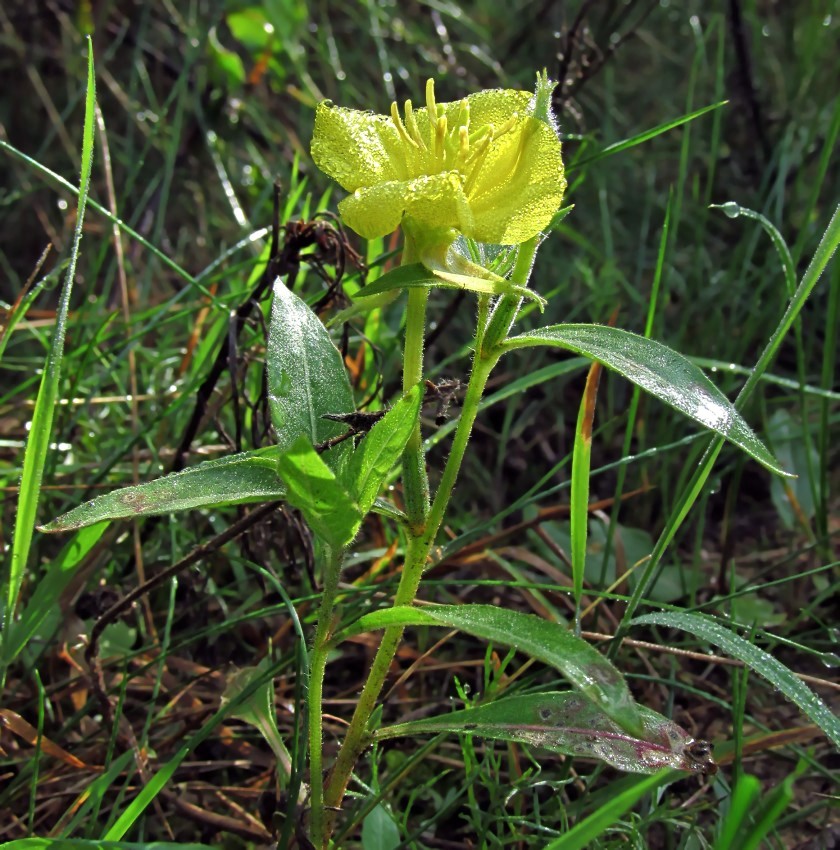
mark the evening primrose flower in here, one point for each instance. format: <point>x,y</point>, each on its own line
<point>487,167</point>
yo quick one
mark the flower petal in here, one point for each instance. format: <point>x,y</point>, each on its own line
<point>433,202</point>
<point>495,106</point>
<point>356,148</point>
<point>520,186</point>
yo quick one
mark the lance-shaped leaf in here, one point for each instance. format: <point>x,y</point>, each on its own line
<point>592,674</point>
<point>661,371</point>
<point>234,480</point>
<point>315,491</point>
<point>380,449</point>
<point>756,659</point>
<point>416,274</point>
<point>306,376</point>
<point>565,722</point>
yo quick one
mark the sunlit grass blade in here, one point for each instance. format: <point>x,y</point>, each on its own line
<point>643,137</point>
<point>37,445</point>
<point>633,407</point>
<point>741,803</point>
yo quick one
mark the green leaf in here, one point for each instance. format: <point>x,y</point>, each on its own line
<point>258,710</point>
<point>385,508</point>
<point>416,274</point>
<point>250,27</point>
<point>306,376</point>
<point>582,834</point>
<point>756,659</point>
<point>380,449</point>
<point>379,832</point>
<point>661,371</point>
<point>565,722</point>
<point>314,490</point>
<point>227,62</point>
<point>552,643</point>
<point>234,480</point>
<point>40,431</point>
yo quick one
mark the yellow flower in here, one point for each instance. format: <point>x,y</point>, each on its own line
<point>486,167</point>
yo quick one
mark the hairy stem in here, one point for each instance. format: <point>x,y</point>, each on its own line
<point>417,554</point>
<point>415,480</point>
<point>317,668</point>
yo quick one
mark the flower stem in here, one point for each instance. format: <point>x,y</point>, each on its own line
<point>506,309</point>
<point>415,479</point>
<point>317,668</point>
<point>417,553</point>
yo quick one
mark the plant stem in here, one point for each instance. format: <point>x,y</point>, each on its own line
<point>317,668</point>
<point>417,554</point>
<point>415,479</point>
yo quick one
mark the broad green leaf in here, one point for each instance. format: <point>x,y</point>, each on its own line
<point>416,274</point>
<point>581,835</point>
<point>756,659</point>
<point>40,430</point>
<point>234,480</point>
<point>379,832</point>
<point>551,643</point>
<point>49,587</point>
<point>380,449</point>
<point>794,500</point>
<point>306,376</point>
<point>314,490</point>
<point>660,371</point>
<point>565,722</point>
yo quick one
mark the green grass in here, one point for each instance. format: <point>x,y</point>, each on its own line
<point>195,149</point>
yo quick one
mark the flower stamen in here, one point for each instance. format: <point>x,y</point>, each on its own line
<point>395,117</point>
<point>440,137</point>
<point>411,124</point>
<point>463,143</point>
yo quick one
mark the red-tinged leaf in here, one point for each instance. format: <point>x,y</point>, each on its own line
<point>565,722</point>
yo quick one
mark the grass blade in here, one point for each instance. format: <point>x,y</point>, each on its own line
<point>37,445</point>
<point>644,137</point>
<point>822,256</point>
<point>580,836</point>
<point>756,659</point>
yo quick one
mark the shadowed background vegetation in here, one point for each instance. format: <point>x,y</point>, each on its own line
<point>206,112</point>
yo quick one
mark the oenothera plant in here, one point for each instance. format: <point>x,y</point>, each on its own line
<point>466,181</point>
